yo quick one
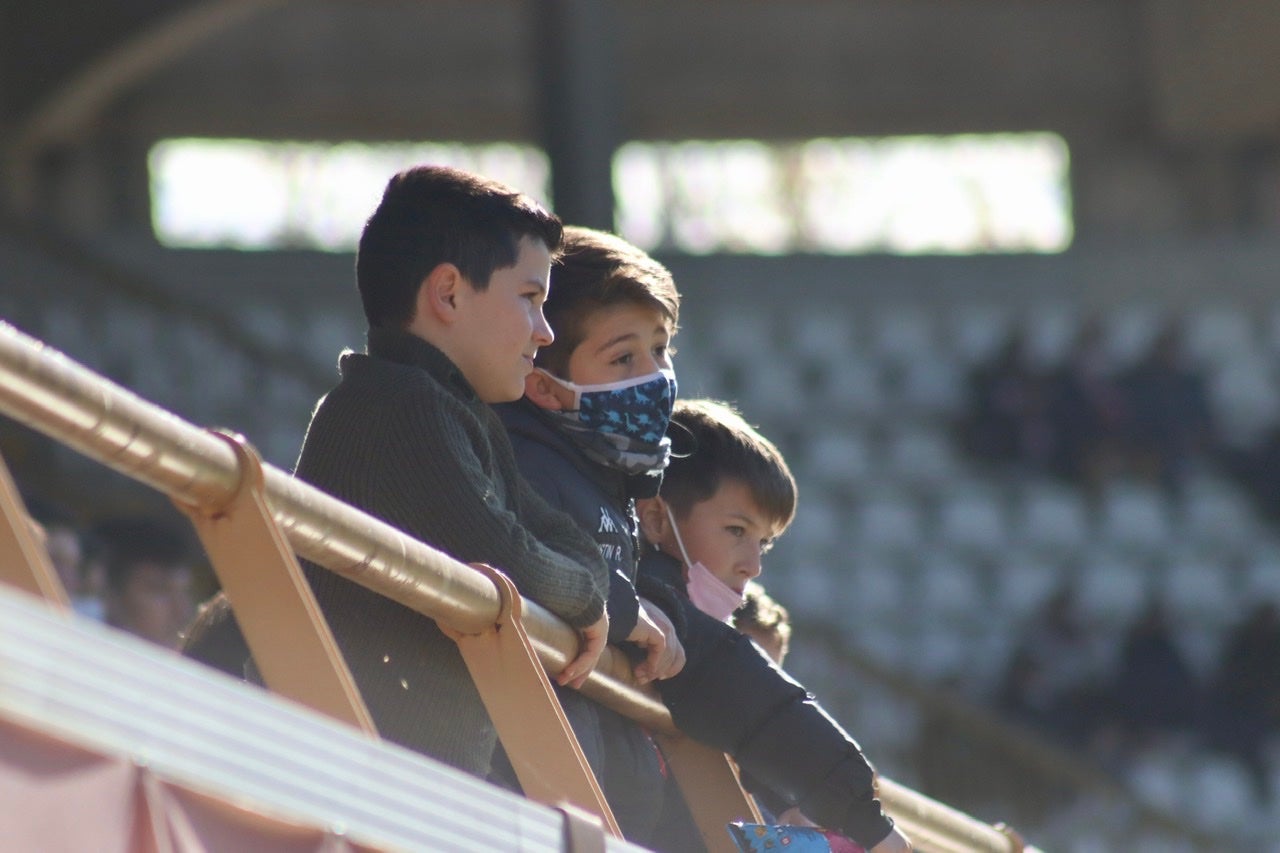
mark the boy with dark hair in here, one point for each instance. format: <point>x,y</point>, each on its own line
<point>453,272</point>
<point>721,506</point>
<point>590,436</point>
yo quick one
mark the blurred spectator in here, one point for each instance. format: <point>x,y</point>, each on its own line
<point>149,570</point>
<point>1010,419</point>
<point>64,541</point>
<point>1088,409</point>
<point>1170,425</point>
<point>1257,469</point>
<point>1244,700</point>
<point>1154,691</point>
<point>1054,678</point>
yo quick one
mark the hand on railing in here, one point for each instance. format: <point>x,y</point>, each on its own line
<point>593,640</point>
<point>664,653</point>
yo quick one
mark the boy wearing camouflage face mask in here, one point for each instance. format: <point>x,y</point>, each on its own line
<point>586,437</point>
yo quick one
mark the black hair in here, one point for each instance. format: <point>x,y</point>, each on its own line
<point>431,215</point>
<point>129,541</point>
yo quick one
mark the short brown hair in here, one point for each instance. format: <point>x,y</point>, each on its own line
<point>722,445</point>
<point>597,270</point>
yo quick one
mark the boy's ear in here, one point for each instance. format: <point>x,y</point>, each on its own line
<point>546,393</point>
<point>654,523</point>
<point>439,292</point>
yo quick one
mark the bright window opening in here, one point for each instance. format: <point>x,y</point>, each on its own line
<point>898,195</point>
<point>249,194</point>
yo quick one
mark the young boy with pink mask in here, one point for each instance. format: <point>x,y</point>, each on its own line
<point>721,506</point>
<point>590,437</point>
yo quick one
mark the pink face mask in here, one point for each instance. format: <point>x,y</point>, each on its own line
<point>707,592</point>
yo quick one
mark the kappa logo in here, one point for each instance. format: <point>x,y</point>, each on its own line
<point>606,522</point>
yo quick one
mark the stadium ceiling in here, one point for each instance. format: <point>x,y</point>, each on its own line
<point>1162,77</point>
<point>683,68</point>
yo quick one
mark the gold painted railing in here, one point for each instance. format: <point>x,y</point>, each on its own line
<point>66,401</point>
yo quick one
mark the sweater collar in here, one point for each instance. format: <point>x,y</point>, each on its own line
<point>406,348</point>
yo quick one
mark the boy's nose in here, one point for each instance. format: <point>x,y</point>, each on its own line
<point>542,334</point>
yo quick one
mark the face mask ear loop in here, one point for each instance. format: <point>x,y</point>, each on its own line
<point>566,384</point>
<point>688,564</point>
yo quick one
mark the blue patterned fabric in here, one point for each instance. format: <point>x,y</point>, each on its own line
<point>639,411</point>
<point>767,838</point>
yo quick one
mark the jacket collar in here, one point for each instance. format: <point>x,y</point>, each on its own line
<point>401,347</point>
<point>526,419</point>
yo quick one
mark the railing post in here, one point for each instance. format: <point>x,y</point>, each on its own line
<point>287,634</point>
<point>24,561</point>
<point>711,788</point>
<point>532,726</point>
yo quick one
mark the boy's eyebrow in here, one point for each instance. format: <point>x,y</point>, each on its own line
<point>626,336</point>
<point>616,340</point>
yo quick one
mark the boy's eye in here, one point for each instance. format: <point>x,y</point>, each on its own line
<point>624,359</point>
<point>736,531</point>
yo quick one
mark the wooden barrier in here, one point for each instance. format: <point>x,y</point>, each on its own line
<point>203,472</point>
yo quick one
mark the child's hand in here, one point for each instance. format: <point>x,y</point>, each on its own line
<point>594,639</point>
<point>664,651</point>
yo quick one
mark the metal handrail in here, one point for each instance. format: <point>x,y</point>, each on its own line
<point>43,389</point>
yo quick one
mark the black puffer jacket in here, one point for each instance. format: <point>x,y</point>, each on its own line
<point>730,697</point>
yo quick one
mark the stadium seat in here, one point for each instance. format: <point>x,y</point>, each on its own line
<point>887,523</point>
<point>1024,583</point>
<point>1200,592</point>
<point>971,520</point>
<point>839,458</point>
<point>949,591</point>
<point>1051,519</point>
<point>1220,333</point>
<point>1128,332</point>
<point>1245,399</point>
<point>1049,331</point>
<point>819,336</point>
<point>771,388</point>
<point>901,334</point>
<point>1215,515</point>
<point>973,333</point>
<point>1217,793</point>
<point>742,335</point>
<point>851,389</point>
<point>930,386</point>
<point>921,456</point>
<point>1111,589</point>
<point>1136,518</point>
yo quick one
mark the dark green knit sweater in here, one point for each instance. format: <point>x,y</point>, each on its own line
<point>404,437</point>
